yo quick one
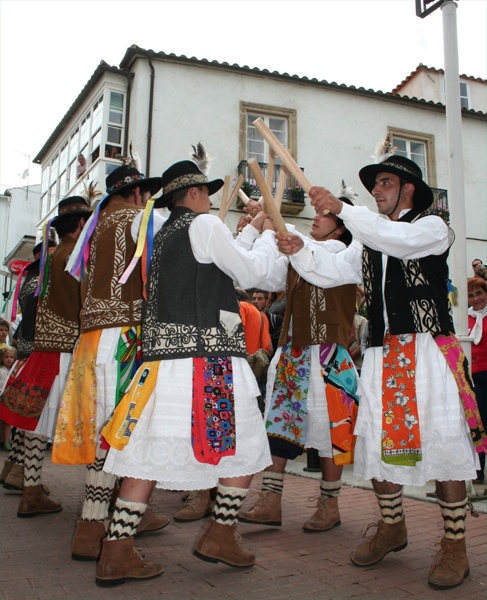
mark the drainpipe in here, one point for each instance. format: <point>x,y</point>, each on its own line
<point>151,108</point>
<point>129,75</point>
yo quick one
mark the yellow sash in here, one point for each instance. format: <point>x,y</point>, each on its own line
<point>118,429</point>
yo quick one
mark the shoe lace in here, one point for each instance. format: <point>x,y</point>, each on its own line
<point>370,526</point>
<point>316,500</point>
<point>139,552</point>
<point>443,556</point>
<point>472,510</point>
<point>193,499</point>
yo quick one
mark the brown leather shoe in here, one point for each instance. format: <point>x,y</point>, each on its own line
<point>450,566</point>
<point>387,538</point>
<point>14,479</point>
<point>152,522</point>
<point>7,467</point>
<point>86,544</point>
<point>34,502</point>
<point>198,505</point>
<point>325,518</point>
<point>221,543</point>
<point>119,561</point>
<point>267,511</point>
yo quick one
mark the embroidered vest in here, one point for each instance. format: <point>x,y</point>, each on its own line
<point>191,308</point>
<point>57,317</point>
<point>415,293</point>
<point>320,316</point>
<point>28,305</point>
<point>107,303</point>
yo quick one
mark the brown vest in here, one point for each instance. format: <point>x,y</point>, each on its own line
<point>57,317</point>
<point>107,303</point>
<point>320,316</point>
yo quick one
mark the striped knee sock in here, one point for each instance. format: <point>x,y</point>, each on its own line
<point>98,489</point>
<point>35,451</point>
<point>126,517</point>
<point>227,504</point>
<point>391,507</point>
<point>330,489</point>
<point>454,516</point>
<point>273,482</point>
<point>18,450</point>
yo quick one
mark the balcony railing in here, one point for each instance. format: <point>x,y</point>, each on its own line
<point>292,193</point>
<point>440,204</point>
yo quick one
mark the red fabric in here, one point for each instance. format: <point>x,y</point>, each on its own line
<point>251,321</point>
<point>23,400</point>
<point>213,411</point>
<point>479,351</point>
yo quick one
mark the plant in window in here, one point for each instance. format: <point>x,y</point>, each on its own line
<point>250,189</point>
<point>295,194</point>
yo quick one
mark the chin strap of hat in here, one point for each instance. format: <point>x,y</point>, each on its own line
<point>401,183</point>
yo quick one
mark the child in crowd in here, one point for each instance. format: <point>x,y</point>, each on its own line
<point>8,357</point>
<point>4,333</point>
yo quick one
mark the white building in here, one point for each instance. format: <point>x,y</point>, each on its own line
<point>19,217</point>
<point>165,103</point>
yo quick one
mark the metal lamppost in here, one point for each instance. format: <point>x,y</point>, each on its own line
<point>456,190</point>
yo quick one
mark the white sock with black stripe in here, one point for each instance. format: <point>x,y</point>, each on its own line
<point>126,517</point>
<point>227,504</point>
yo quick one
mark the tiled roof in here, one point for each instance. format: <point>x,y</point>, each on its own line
<point>422,67</point>
<point>134,52</point>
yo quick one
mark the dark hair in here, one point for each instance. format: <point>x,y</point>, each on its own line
<point>4,323</point>
<point>241,295</point>
<point>68,224</point>
<point>266,294</point>
<point>176,197</point>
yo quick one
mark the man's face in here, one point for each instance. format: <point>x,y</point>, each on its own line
<point>3,333</point>
<point>324,227</point>
<point>259,300</point>
<point>475,265</point>
<point>386,194</point>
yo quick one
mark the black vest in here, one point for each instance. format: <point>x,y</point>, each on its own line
<point>415,293</point>
<point>192,308</point>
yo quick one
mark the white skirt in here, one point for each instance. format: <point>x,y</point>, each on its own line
<point>47,422</point>
<point>447,447</point>
<point>317,421</point>
<point>160,446</point>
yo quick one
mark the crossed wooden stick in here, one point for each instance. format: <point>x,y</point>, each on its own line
<point>271,205</point>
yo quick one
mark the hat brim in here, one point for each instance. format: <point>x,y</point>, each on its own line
<point>153,184</point>
<point>76,213</point>
<point>213,187</point>
<point>423,194</point>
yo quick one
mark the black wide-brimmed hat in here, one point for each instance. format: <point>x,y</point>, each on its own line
<point>72,206</point>
<point>181,176</point>
<point>406,169</point>
<point>128,176</point>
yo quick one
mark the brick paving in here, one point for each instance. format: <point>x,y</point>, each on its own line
<point>291,565</point>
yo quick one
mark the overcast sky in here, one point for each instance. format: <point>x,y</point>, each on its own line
<point>49,49</point>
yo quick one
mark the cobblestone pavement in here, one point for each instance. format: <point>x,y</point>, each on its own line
<point>292,565</point>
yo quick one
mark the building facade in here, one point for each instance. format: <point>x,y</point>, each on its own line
<point>162,104</point>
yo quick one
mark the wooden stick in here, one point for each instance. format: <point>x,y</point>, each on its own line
<point>287,160</point>
<point>281,186</point>
<point>270,172</point>
<point>243,196</point>
<point>270,205</point>
<point>284,155</point>
<point>232,196</point>
<point>223,202</point>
